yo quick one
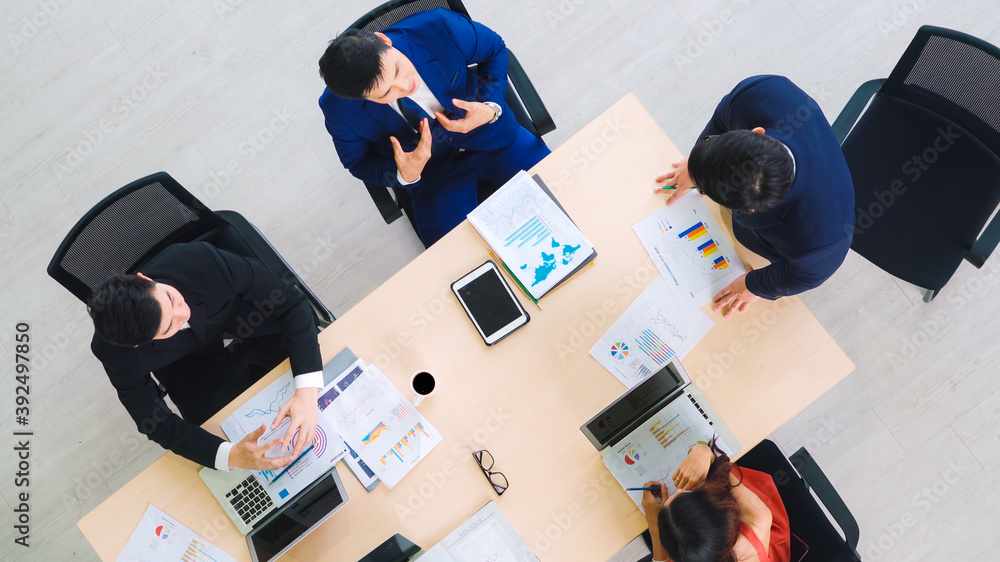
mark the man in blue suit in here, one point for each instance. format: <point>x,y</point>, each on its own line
<point>770,156</point>
<point>404,111</point>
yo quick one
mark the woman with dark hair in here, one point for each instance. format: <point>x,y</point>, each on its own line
<point>719,513</point>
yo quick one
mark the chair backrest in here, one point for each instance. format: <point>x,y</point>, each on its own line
<point>390,13</point>
<point>955,75</point>
<point>125,230</point>
<point>806,518</point>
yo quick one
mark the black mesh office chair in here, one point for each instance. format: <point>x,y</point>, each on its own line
<point>522,98</point>
<point>925,159</point>
<point>133,224</point>
<point>815,536</point>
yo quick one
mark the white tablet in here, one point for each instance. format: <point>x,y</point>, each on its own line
<point>490,303</point>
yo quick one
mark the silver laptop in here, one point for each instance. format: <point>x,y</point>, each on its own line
<point>273,529</point>
<point>644,400</point>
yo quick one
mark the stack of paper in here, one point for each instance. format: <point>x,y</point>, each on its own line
<point>532,234</point>
<point>388,434</point>
<point>486,536</point>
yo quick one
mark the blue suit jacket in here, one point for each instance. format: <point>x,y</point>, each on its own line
<point>807,235</point>
<point>440,44</point>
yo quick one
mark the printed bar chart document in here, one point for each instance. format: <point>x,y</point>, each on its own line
<point>690,250</point>
<point>654,450</point>
<point>532,234</point>
<point>652,331</point>
<point>158,538</point>
<point>381,425</point>
<point>486,536</point>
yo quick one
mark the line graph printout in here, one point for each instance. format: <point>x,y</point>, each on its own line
<point>328,447</point>
<point>653,451</point>
<point>531,234</point>
<point>652,331</point>
<point>367,415</point>
<point>690,250</point>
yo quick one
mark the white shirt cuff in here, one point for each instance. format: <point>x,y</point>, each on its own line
<point>222,456</point>
<point>309,380</point>
<point>401,181</point>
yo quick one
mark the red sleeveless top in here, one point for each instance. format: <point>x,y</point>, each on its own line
<point>779,550</point>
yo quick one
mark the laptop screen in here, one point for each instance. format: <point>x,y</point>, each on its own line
<point>662,384</point>
<point>296,518</point>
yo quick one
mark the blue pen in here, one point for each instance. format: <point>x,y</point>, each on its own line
<point>290,465</point>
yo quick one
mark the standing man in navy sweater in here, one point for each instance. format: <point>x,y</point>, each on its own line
<point>770,156</point>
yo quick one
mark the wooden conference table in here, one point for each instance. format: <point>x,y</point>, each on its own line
<point>525,398</point>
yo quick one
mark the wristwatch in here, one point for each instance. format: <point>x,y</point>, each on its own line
<point>496,108</point>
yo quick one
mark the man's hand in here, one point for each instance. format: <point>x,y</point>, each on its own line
<point>734,297</point>
<point>248,454</point>
<point>411,164</point>
<point>477,114</point>
<point>693,470</point>
<point>302,409</point>
<point>679,178</point>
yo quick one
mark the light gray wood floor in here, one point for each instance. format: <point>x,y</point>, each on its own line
<point>96,94</point>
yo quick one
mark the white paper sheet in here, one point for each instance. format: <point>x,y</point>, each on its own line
<point>690,250</point>
<point>381,425</point>
<point>328,447</point>
<point>158,538</point>
<point>649,334</point>
<point>331,392</point>
<point>654,450</point>
<point>531,234</point>
<point>487,536</point>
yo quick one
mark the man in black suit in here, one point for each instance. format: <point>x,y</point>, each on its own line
<point>174,321</point>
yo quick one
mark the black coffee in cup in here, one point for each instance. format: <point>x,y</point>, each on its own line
<point>423,383</point>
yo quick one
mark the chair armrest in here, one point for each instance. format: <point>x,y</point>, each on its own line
<point>273,261</point>
<point>383,200</point>
<point>529,96</point>
<point>986,243</point>
<point>849,115</point>
<point>821,486</point>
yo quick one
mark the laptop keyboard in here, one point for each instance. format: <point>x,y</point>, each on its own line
<point>249,499</point>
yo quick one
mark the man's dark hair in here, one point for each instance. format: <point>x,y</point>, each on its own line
<point>352,64</point>
<point>742,170</point>
<point>124,310</point>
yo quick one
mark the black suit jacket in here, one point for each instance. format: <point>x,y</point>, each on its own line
<point>231,297</point>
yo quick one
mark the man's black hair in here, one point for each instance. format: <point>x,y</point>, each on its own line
<point>124,310</point>
<point>352,64</point>
<point>742,170</point>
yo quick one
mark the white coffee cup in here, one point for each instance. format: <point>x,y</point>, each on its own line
<point>423,385</point>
